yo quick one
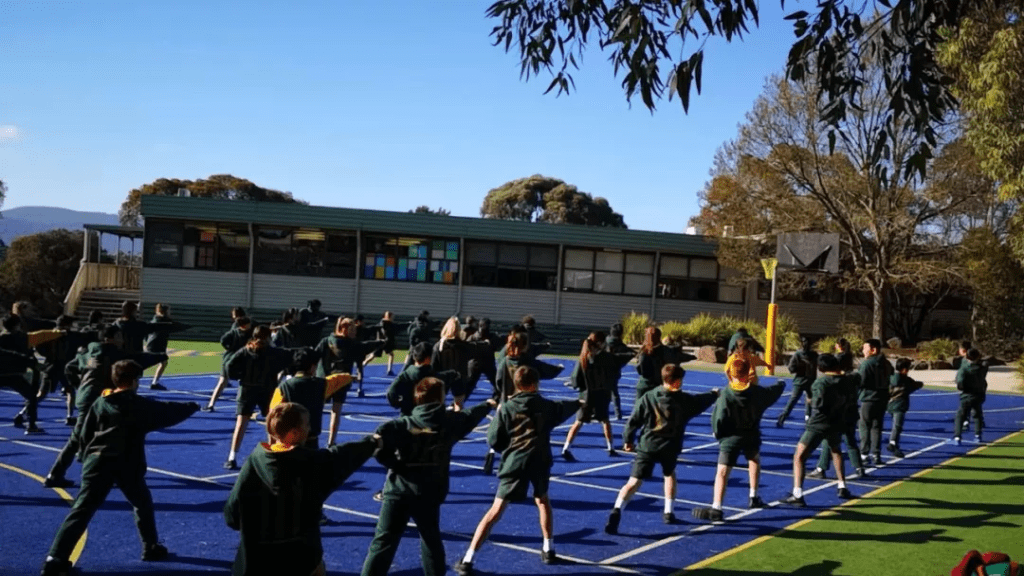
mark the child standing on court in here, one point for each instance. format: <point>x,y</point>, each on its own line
<point>901,386</point>
<point>112,436</point>
<point>971,381</point>
<point>156,341</point>
<point>232,341</point>
<point>803,365</point>
<point>593,376</point>
<point>661,415</point>
<point>875,371</point>
<point>278,497</point>
<point>521,431</point>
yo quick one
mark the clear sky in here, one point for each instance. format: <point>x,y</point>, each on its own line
<point>355,103</point>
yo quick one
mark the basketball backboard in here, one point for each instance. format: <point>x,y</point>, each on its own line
<point>809,251</point>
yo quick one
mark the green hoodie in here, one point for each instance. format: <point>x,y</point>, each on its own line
<point>521,431</point>
<point>874,378</point>
<point>662,414</point>
<point>830,395</point>
<point>971,381</point>
<point>277,501</point>
<point>400,392</point>
<point>115,427</point>
<point>738,414</point>
<point>901,386</point>
<point>423,441</point>
<point>93,367</point>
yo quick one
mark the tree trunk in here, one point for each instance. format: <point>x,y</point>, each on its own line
<point>878,316</point>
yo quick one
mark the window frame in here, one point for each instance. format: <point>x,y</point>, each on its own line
<point>604,276</point>
<point>530,274</point>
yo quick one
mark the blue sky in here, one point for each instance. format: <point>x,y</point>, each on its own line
<point>358,103</point>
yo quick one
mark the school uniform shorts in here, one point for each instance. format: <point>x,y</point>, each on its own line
<point>251,397</point>
<point>643,465</point>
<point>516,487</point>
<point>730,449</point>
<point>813,438</point>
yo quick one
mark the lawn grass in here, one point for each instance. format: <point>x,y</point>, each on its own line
<point>923,525</point>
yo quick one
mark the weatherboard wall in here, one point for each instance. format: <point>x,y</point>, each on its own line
<point>280,292</point>
<point>509,305</point>
<point>194,287</point>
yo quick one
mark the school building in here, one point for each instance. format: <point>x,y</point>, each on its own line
<point>202,256</point>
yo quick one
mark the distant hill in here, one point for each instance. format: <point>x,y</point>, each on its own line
<point>34,219</point>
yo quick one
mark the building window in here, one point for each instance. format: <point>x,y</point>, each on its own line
<point>683,278</point>
<point>197,245</point>
<point>305,252</point>
<point>608,272</point>
<point>411,259</point>
<point>505,265</point>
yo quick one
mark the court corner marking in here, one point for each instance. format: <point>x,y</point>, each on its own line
<point>80,545</point>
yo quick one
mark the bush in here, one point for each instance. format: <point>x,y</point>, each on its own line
<point>675,332</point>
<point>939,349</point>
<point>633,326</point>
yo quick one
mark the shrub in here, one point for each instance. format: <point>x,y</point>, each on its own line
<point>938,349</point>
<point>633,326</point>
<point>827,345</point>
<point>675,332</point>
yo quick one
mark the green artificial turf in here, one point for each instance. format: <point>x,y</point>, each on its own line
<point>921,526</point>
<point>205,358</point>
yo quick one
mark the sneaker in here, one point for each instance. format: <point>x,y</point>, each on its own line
<point>791,500</point>
<point>231,465</point>
<point>780,422</point>
<point>711,514</point>
<point>844,494</point>
<point>464,568</point>
<point>207,408</point>
<point>33,429</point>
<point>71,421</point>
<point>488,469</point>
<point>568,456</point>
<point>157,386</point>
<point>612,526</point>
<point>19,421</point>
<point>360,394</point>
<point>549,557</point>
<point>51,482</point>
<point>613,453</point>
<point>817,474</point>
<point>378,496</point>
<point>669,518</point>
<point>862,472</point>
<point>391,372</point>
<point>756,502</point>
<point>807,418</point>
<point>877,458</point>
<point>54,567</point>
<point>957,441</point>
<point>978,440</point>
<point>154,553</point>
<point>895,450</point>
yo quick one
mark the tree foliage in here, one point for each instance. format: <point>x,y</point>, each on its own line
<point>543,199</point>
<point>783,175</point>
<point>218,186</point>
<point>428,210</point>
<point>992,274</point>
<point>658,46</point>
<point>3,192</point>
<point>40,268</point>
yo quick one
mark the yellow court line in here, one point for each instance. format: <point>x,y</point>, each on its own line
<point>77,552</point>
<point>832,511</point>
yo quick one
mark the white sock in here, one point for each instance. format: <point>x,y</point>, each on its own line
<point>798,492</point>
<point>231,455</point>
<point>620,503</point>
<point>717,505</point>
<point>548,544</point>
<point>753,491</point>
<point>668,506</point>
<point>608,443</point>
<point>842,484</point>
<point>565,447</point>
<point>468,557</point>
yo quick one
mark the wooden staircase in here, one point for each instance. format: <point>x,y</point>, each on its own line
<point>106,300</point>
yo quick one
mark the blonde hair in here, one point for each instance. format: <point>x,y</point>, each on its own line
<point>343,327</point>
<point>452,331</point>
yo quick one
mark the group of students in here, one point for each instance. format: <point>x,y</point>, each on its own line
<point>277,500</point>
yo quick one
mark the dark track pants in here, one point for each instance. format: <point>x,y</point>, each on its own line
<point>872,413</point>
<point>898,416</point>
<point>391,524</point>
<point>850,437</point>
<point>97,481</point>
<point>967,405</point>
<point>28,390</point>
<point>794,398</point>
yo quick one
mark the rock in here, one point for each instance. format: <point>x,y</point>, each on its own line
<point>993,361</point>
<point>940,365</point>
<point>711,354</point>
<point>920,365</point>
<point>894,343</point>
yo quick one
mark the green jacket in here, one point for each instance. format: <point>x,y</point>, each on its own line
<point>309,392</point>
<point>738,414</point>
<point>803,365</point>
<point>419,448</point>
<point>971,381</point>
<point>830,395</point>
<point>276,504</point>
<point>114,428</point>
<point>521,431</point>
<point>400,392</point>
<point>259,368</point>
<point>662,414</point>
<point>649,366</point>
<point>601,375</point>
<point>874,378</point>
<point>901,387</point>
<point>92,367</point>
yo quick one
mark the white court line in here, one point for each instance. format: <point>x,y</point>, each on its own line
<point>212,480</point>
<point>221,476</point>
<point>744,514</point>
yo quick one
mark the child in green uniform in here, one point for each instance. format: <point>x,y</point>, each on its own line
<point>309,390</point>
<point>851,386</point>
<point>736,424</point>
<point>232,341</point>
<point>874,371</point>
<point>972,383</point>
<point>339,352</point>
<point>513,356</point>
<point>400,394</point>
<point>256,367</point>
<point>661,415</point>
<point>615,345</point>
<point>828,398</point>
<point>279,494</point>
<point>418,459</point>
<point>652,358</point>
<point>593,376</point>
<point>112,436</point>
<point>521,431</point>
<point>14,365</point>
<point>803,365</point>
<point>901,386</point>
<point>92,368</point>
<point>156,342</point>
